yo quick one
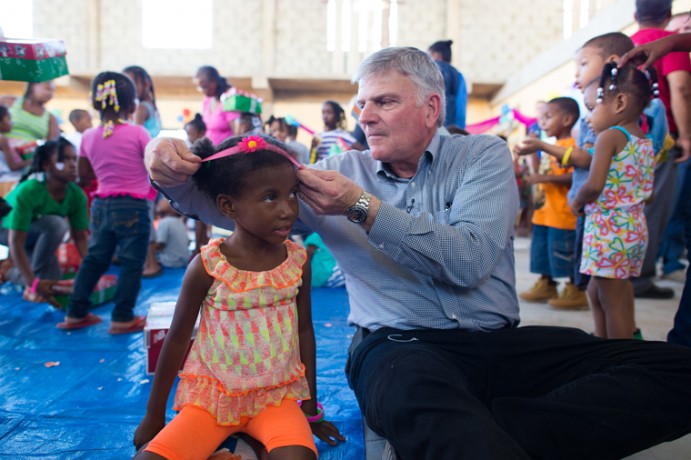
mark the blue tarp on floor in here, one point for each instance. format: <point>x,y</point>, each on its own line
<point>89,405</point>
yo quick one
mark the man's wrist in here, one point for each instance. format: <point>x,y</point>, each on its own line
<point>359,211</point>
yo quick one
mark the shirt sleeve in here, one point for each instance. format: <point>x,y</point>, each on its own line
<point>144,138</point>
<point>23,204</point>
<point>189,201</point>
<point>463,246</point>
<point>674,62</point>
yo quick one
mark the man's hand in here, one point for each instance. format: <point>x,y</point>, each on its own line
<point>170,162</point>
<point>327,192</point>
<point>527,146</point>
<point>685,146</point>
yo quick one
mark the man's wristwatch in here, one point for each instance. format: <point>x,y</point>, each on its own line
<point>357,213</point>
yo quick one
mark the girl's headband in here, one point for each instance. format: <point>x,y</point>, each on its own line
<point>251,144</point>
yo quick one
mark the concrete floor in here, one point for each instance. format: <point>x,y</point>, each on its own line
<point>653,317</point>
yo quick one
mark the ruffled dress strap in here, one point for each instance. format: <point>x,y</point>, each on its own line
<point>289,272</point>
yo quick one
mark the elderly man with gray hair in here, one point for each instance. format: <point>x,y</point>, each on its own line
<point>422,228</point>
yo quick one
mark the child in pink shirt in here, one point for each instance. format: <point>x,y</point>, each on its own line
<point>113,153</point>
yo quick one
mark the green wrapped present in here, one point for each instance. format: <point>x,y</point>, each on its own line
<point>103,292</point>
<point>32,60</point>
<point>235,100</point>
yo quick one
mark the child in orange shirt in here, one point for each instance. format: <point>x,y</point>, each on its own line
<point>552,246</point>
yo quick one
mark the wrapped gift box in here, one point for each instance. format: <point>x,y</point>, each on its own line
<point>24,150</point>
<point>235,100</point>
<point>103,292</point>
<point>68,258</point>
<point>158,321</point>
<point>32,60</point>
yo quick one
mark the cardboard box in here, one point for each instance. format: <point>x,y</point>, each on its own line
<point>158,321</point>
<point>103,292</point>
<point>32,60</point>
<point>235,100</point>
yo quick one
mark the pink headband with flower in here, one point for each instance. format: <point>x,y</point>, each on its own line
<point>251,144</point>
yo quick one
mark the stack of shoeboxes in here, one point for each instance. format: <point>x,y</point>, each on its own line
<point>32,60</point>
<point>158,322</point>
<point>70,260</point>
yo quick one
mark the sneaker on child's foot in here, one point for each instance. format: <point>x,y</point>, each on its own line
<point>541,291</point>
<point>571,298</point>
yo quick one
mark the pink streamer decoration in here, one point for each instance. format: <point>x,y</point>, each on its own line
<point>484,126</point>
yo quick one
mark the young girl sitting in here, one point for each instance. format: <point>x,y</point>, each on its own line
<point>254,355</point>
<point>613,197</point>
<point>113,153</point>
<point>195,129</point>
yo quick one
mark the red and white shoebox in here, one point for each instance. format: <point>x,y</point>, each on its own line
<point>158,322</point>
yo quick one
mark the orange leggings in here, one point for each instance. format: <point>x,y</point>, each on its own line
<point>194,433</point>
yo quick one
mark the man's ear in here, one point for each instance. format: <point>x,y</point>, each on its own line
<point>433,109</point>
<point>226,205</point>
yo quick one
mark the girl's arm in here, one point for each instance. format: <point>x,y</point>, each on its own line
<point>195,286</point>
<point>53,128</point>
<point>561,179</point>
<point>141,114</point>
<point>44,288</point>
<point>86,172</point>
<point>81,241</point>
<point>647,53</point>
<point>578,157</point>
<point>324,430</point>
<point>607,145</point>
<point>13,160</point>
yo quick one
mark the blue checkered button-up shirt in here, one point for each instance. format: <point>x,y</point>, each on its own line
<point>440,252</point>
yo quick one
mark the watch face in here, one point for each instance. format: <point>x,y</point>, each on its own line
<point>357,214</point>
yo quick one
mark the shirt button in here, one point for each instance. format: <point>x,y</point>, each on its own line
<point>412,184</point>
<point>381,246</point>
<point>453,316</point>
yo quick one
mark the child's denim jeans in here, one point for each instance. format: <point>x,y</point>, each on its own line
<point>116,222</point>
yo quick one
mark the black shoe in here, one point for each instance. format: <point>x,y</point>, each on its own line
<point>655,292</point>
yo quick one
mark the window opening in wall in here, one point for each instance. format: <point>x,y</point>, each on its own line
<point>163,25</point>
<point>568,18</point>
<point>375,24</point>
<point>17,18</point>
<point>585,13</point>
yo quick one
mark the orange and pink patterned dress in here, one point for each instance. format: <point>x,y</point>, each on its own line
<point>246,355</point>
<point>615,236</point>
